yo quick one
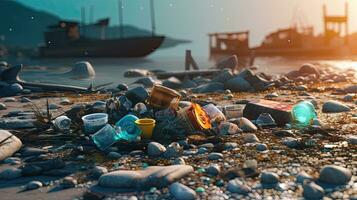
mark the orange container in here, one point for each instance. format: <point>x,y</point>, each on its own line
<point>194,118</point>
<point>162,97</point>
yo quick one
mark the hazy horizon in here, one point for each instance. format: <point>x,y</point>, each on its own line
<point>193,20</point>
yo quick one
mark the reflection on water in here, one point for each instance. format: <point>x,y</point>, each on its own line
<point>111,69</point>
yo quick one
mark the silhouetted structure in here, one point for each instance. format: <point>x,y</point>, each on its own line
<point>293,41</point>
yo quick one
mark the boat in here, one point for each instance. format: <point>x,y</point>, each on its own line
<point>294,41</point>
<point>74,39</point>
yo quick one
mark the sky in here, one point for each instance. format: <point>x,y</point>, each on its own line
<point>194,19</point>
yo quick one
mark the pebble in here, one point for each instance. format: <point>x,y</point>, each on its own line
<point>123,86</point>
<point>202,150</point>
<point>302,176</point>
<point>269,178</point>
<point>114,155</point>
<point>53,106</point>
<point>301,88</point>
<point>179,161</point>
<point>213,169</point>
<point>250,138</point>
<point>3,106</point>
<point>236,186</point>
<point>10,173</point>
<point>12,160</point>
<point>182,192</point>
<point>333,174</point>
<point>153,176</point>
<point>174,150</point>
<point>9,99</point>
<point>33,185</point>
<point>69,182</point>
<point>215,156</point>
<point>25,100</point>
<point>230,145</point>
<point>261,147</point>
<point>313,191</point>
<point>348,98</point>
<point>97,171</point>
<point>290,142</point>
<point>334,107</point>
<point>352,139</point>
<point>271,95</point>
<point>65,101</point>
<point>283,133</point>
<point>246,125</point>
<point>156,149</point>
<point>207,146</point>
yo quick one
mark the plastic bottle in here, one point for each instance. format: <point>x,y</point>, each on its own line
<point>129,130</point>
<point>303,114</point>
<point>106,136</point>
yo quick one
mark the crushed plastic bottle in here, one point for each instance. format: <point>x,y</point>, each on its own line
<point>303,114</point>
<point>106,137</point>
<point>62,123</point>
<point>129,130</point>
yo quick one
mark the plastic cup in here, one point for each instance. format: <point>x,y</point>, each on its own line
<point>94,122</point>
<point>234,111</point>
<point>146,126</point>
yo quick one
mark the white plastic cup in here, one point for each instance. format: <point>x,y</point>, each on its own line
<point>94,122</point>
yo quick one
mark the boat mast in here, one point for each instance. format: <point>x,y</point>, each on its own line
<point>120,15</point>
<point>83,20</point>
<point>153,26</point>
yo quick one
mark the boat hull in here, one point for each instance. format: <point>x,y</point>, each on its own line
<point>123,48</point>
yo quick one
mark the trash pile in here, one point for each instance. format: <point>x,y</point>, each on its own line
<point>156,142</point>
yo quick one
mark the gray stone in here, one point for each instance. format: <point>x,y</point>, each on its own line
<point>308,68</point>
<point>207,145</point>
<point>11,90</point>
<point>25,100</point>
<point>26,91</point>
<point>283,133</point>
<point>172,82</point>
<point>69,182</point>
<point>97,171</point>
<point>174,150</point>
<point>99,106</point>
<point>351,89</point>
<point>236,186</point>
<point>333,174</point>
<point>12,160</point>
<point>123,86</point>
<point>16,123</point>
<point>238,84</point>
<point>352,139</point>
<point>230,145</point>
<point>313,191</point>
<point>11,145</point>
<point>209,88</point>
<point>10,173</point>
<point>53,106</point>
<point>215,156</point>
<point>65,101</point>
<point>213,169</point>
<point>188,84</point>
<point>228,128</point>
<point>182,192</point>
<point>132,73</point>
<point>261,147</point>
<point>223,76</point>
<point>302,176</point>
<point>3,106</point>
<point>269,178</point>
<point>81,70</point>
<point>334,107</point>
<point>202,150</point>
<point>156,149</point>
<point>348,97</point>
<point>114,155</point>
<point>33,185</point>
<point>301,88</point>
<point>290,142</point>
<point>250,138</point>
<point>271,95</point>
<point>9,99</point>
<point>246,125</point>
<point>154,176</point>
<point>178,161</point>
